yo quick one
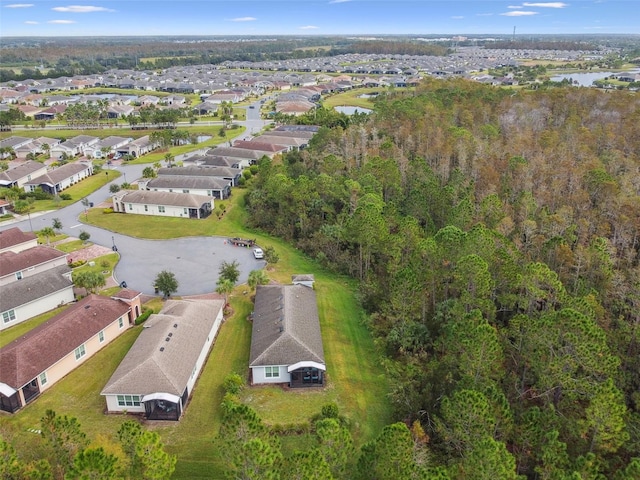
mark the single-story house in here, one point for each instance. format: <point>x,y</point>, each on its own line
<point>245,156</point>
<point>4,207</point>
<point>265,146</point>
<point>34,295</point>
<point>163,204</point>
<point>107,146</point>
<point>138,147</point>
<point>37,360</point>
<point>226,173</point>
<point>29,262</point>
<point>15,240</point>
<point>209,186</point>
<point>74,146</point>
<point>14,143</point>
<point>211,161</point>
<point>286,341</point>
<point>58,179</point>
<point>21,174</point>
<point>159,372</point>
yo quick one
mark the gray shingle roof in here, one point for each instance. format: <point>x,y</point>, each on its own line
<point>57,175</point>
<point>145,369</point>
<point>286,327</point>
<point>149,197</point>
<point>34,287</point>
<point>20,171</point>
<point>184,181</point>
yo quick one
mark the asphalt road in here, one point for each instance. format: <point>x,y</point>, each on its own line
<point>193,260</point>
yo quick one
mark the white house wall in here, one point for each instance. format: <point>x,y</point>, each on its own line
<point>170,211</point>
<point>41,305</point>
<point>259,375</point>
<point>112,405</point>
<point>202,358</point>
<point>28,272</point>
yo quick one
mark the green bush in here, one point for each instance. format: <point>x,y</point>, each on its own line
<point>79,263</point>
<point>246,173</point>
<point>233,383</point>
<point>65,196</point>
<point>143,317</point>
<point>107,210</point>
<point>254,169</point>
<point>330,410</point>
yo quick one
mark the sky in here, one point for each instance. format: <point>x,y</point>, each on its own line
<point>28,18</point>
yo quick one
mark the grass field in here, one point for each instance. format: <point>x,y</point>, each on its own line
<point>350,98</point>
<point>355,381</point>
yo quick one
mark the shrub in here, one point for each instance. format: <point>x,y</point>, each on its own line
<point>254,169</point>
<point>107,210</point>
<point>330,410</point>
<point>242,182</point>
<point>105,264</point>
<point>143,317</point>
<point>246,173</point>
<point>78,263</point>
<point>233,383</point>
<point>65,196</point>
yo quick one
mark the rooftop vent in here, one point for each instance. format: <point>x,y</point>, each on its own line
<point>87,306</point>
<point>281,329</point>
<point>167,339</point>
<point>170,334</point>
<point>175,325</point>
<point>162,349</point>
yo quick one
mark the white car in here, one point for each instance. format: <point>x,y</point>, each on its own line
<point>258,253</point>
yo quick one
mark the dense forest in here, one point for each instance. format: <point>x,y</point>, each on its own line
<point>495,237</point>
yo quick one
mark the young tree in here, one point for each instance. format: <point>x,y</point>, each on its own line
<point>166,283</point>
<point>257,277</point>
<point>114,188</point>
<point>56,223</point>
<point>224,287</point>
<point>149,172</point>
<point>93,463</point>
<point>229,271</point>
<point>63,437</point>
<point>336,445</point>
<point>84,236</point>
<point>47,232</point>
<point>156,464</point>
<point>270,255</point>
<point>90,281</point>
<point>306,466</point>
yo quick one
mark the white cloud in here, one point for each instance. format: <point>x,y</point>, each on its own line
<point>519,13</point>
<point>484,14</point>
<point>515,6</point>
<point>19,5</point>
<point>81,9</point>
<point>243,19</point>
<point>457,17</point>
<point>61,22</point>
<point>546,4</point>
<point>31,22</point>
<point>339,1</point>
<point>308,27</point>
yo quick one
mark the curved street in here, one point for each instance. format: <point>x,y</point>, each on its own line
<point>194,260</point>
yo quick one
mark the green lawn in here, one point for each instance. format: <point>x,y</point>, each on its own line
<point>350,98</point>
<point>72,246</point>
<point>355,381</point>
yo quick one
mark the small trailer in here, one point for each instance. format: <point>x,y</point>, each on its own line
<point>242,242</point>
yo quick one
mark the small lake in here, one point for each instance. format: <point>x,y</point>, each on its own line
<point>351,110</point>
<point>586,79</point>
<point>202,138</point>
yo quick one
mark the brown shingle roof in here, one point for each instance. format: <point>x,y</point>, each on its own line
<point>11,262</point>
<point>14,236</point>
<point>286,327</point>
<point>25,358</point>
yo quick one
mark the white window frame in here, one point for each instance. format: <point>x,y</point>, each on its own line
<point>101,336</point>
<point>9,316</point>
<point>128,400</point>
<point>19,275</point>
<point>43,378</point>
<point>120,322</point>
<point>272,372</point>
<point>161,209</point>
<point>80,352</point>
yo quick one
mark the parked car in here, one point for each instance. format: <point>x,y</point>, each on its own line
<point>258,253</point>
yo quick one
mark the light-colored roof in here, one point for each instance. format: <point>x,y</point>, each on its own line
<point>57,175</point>
<point>235,152</point>
<point>164,354</point>
<point>20,171</point>
<point>148,197</point>
<point>286,327</point>
<point>184,181</point>
<point>34,287</point>
<point>200,170</point>
<point>28,356</point>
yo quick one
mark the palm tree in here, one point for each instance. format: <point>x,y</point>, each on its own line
<point>47,232</point>
<point>169,159</point>
<point>257,277</point>
<point>224,287</point>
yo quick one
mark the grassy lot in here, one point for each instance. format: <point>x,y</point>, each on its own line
<point>350,98</point>
<point>103,264</point>
<point>72,246</point>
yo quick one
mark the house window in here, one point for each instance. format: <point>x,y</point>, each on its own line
<point>80,352</point>
<point>170,190</point>
<point>18,275</point>
<point>101,336</point>
<point>271,372</point>
<point>185,191</point>
<point>193,373</point>
<point>8,316</point>
<point>186,211</point>
<point>128,400</point>
<point>146,208</point>
<point>43,378</point>
<point>120,322</point>
<point>210,193</point>
<point>130,207</point>
<point>161,208</point>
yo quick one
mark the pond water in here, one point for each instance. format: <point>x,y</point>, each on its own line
<point>203,138</point>
<point>347,110</point>
<point>586,79</point>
